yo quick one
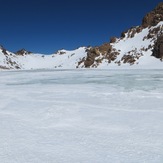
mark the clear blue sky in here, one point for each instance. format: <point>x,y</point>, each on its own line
<point>46,26</point>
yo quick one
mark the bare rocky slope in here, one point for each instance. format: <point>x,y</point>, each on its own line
<point>138,47</point>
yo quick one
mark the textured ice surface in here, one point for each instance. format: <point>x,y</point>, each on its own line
<point>81,116</point>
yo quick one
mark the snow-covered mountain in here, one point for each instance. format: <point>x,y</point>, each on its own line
<point>138,47</point>
<point>61,59</point>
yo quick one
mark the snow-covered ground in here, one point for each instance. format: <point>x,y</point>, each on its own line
<point>81,116</point>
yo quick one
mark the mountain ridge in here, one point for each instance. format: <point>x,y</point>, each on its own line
<point>138,47</point>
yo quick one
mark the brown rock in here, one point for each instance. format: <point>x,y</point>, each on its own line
<point>105,48</point>
<point>153,17</point>
<point>128,59</point>
<point>4,67</point>
<point>88,62</point>
<point>91,55</point>
<point>4,51</point>
<point>133,33</point>
<point>158,48</point>
<point>22,52</point>
<point>139,29</point>
<point>61,53</point>
<point>123,34</point>
<point>113,39</point>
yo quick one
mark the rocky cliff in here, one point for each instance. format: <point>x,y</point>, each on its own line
<point>151,42</point>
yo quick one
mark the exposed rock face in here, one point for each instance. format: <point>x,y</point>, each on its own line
<point>10,64</point>
<point>158,48</point>
<point>106,51</point>
<point>153,17</point>
<point>123,34</point>
<point>4,68</point>
<point>113,39</point>
<point>93,54</point>
<point>131,32</point>
<point>23,52</point>
<point>105,48</point>
<point>4,51</point>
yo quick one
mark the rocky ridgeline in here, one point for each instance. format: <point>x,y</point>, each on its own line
<point>153,17</point>
<point>4,51</point>
<point>8,58</point>
<point>23,52</point>
<point>96,55</point>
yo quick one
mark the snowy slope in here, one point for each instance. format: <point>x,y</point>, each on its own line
<point>138,47</point>
<point>8,60</point>
<point>62,59</point>
<point>138,43</point>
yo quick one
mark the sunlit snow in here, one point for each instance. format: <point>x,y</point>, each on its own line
<point>81,116</point>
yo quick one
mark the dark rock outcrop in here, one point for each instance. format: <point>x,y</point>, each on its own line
<point>113,39</point>
<point>105,48</point>
<point>91,55</point>
<point>158,48</point>
<point>4,68</point>
<point>150,19</point>
<point>4,51</point>
<point>22,52</point>
<point>153,17</point>
<point>94,52</point>
<point>123,34</point>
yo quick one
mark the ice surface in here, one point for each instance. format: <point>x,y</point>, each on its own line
<point>81,116</point>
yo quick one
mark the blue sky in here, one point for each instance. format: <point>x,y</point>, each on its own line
<point>46,26</point>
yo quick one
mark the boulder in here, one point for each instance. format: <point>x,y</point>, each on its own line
<point>113,39</point>
<point>91,55</point>
<point>105,48</point>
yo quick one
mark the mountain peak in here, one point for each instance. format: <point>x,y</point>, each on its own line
<point>1,47</point>
<point>23,52</point>
<point>153,17</point>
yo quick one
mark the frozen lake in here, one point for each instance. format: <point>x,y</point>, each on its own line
<point>81,116</point>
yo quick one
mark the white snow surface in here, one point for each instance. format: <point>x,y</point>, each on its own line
<point>84,116</point>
